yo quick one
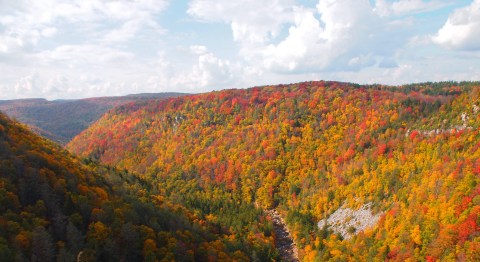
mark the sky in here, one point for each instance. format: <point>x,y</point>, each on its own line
<point>65,49</point>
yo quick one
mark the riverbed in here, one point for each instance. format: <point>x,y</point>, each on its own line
<point>283,239</point>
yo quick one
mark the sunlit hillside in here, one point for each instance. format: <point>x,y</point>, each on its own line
<point>315,150</point>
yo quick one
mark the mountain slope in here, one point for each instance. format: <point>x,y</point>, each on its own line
<point>311,149</point>
<point>55,207</point>
<point>61,120</point>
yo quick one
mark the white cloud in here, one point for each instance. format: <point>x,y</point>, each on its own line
<point>48,45</point>
<point>27,22</point>
<point>82,56</point>
<point>337,35</point>
<point>306,35</point>
<point>56,84</point>
<point>85,71</point>
<point>48,31</point>
<point>347,34</point>
<point>124,33</point>
<point>408,7</point>
<point>26,84</point>
<point>462,29</point>
<point>251,21</point>
<point>208,72</point>
<point>81,48</point>
<point>198,49</point>
<point>18,39</point>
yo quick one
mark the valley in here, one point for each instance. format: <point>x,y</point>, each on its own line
<point>243,131</point>
<point>62,120</point>
<point>352,168</point>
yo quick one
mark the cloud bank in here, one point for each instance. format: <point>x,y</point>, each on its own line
<point>81,48</point>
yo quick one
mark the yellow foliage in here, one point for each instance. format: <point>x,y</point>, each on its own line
<point>415,235</point>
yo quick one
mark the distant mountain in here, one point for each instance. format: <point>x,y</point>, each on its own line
<point>359,173</point>
<point>61,120</point>
<point>54,207</point>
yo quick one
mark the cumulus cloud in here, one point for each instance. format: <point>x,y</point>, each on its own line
<point>251,21</point>
<point>33,85</point>
<point>348,34</point>
<point>209,71</point>
<point>462,29</point>
<point>336,35</point>
<point>79,48</point>
<point>84,71</point>
<point>48,44</point>
<point>26,84</point>
<point>25,23</point>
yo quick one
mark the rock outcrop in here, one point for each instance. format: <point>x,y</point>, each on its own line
<point>348,222</point>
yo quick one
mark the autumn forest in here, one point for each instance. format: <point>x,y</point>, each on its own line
<point>355,172</point>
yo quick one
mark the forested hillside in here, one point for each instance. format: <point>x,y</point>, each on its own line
<point>54,207</point>
<point>315,150</point>
<point>61,120</point>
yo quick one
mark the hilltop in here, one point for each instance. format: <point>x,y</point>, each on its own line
<point>312,151</point>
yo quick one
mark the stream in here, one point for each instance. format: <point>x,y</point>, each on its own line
<point>283,239</point>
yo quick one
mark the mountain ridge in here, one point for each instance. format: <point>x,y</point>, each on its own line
<point>62,119</point>
<point>310,148</point>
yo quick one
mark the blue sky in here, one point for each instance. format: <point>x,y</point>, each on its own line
<point>83,48</point>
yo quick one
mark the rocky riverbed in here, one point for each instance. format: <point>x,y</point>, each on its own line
<point>283,239</point>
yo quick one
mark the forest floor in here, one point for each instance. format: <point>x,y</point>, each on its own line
<point>283,240</point>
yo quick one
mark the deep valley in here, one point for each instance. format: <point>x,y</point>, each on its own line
<point>311,171</point>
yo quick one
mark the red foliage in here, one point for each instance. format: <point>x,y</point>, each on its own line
<point>469,226</point>
<point>413,134</point>
<point>464,205</point>
<point>382,148</point>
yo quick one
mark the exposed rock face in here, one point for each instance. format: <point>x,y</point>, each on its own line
<point>464,126</point>
<point>348,222</point>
